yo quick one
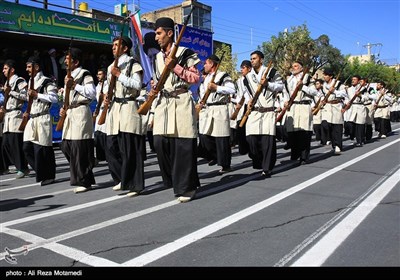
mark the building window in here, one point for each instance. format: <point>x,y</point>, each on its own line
<point>200,18</point>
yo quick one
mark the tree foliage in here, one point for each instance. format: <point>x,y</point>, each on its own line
<point>375,73</point>
<point>297,45</point>
<point>292,46</point>
<point>229,62</point>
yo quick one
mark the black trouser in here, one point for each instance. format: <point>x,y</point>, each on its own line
<point>368,132</point>
<point>325,132</point>
<point>12,149</point>
<point>300,144</point>
<point>218,148</point>
<point>177,158</point>
<point>241,139</point>
<point>336,132</point>
<point>114,160</point>
<point>80,155</point>
<point>41,159</point>
<point>317,130</point>
<point>262,151</point>
<point>132,162</point>
<point>383,126</point>
<point>4,160</point>
<point>358,130</point>
<point>100,142</point>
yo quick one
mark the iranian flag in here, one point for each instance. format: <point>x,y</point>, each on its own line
<point>137,26</point>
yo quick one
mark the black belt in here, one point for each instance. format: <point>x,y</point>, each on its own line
<point>366,104</point>
<point>264,109</point>
<point>124,99</point>
<point>384,106</point>
<point>216,104</point>
<point>358,103</point>
<point>15,109</point>
<point>76,105</point>
<point>303,102</point>
<point>39,114</point>
<point>175,92</point>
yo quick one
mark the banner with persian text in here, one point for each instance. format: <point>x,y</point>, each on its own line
<point>31,20</point>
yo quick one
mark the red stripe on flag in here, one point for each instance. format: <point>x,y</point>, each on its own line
<point>137,28</point>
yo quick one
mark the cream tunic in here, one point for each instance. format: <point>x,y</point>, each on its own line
<point>123,116</point>
<point>174,114</point>
<point>214,119</point>
<point>39,129</point>
<point>78,124</point>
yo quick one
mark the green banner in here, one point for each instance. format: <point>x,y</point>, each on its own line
<point>31,20</point>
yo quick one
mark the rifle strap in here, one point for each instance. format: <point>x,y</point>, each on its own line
<point>221,80</point>
<point>247,85</point>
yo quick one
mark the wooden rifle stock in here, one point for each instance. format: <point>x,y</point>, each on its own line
<point>25,117</point>
<point>237,109</point>
<point>292,97</point>
<point>113,82</point>
<point>99,102</point>
<point>253,101</point>
<point>145,107</point>
<point>379,98</point>
<point>356,94</point>
<point>331,90</point>
<point>260,88</point>
<point>6,94</point>
<point>60,123</point>
<point>208,91</point>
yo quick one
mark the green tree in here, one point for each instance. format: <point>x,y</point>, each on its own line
<point>295,45</point>
<point>229,62</point>
<point>327,55</point>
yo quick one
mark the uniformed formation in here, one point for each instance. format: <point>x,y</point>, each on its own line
<point>254,112</point>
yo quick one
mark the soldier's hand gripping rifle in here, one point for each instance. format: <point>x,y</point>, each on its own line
<point>356,94</point>
<point>25,117</point>
<point>331,90</point>
<point>145,107</point>
<point>207,93</point>
<point>113,81</point>
<point>67,91</point>
<point>7,90</point>
<point>292,97</point>
<point>237,109</point>
<point>383,92</point>
<point>260,88</point>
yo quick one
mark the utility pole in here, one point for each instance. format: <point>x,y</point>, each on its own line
<point>369,46</point>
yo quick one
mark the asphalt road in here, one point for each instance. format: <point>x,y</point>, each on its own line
<point>336,211</point>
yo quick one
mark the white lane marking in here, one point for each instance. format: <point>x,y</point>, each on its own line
<point>64,250</point>
<point>38,242</point>
<point>321,250</point>
<point>61,211</point>
<point>299,248</point>
<point>20,187</point>
<point>171,247</point>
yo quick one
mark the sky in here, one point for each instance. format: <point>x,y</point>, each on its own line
<point>350,24</point>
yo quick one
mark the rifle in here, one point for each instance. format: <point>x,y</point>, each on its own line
<point>356,94</point>
<point>145,107</point>
<point>331,90</point>
<point>113,81</point>
<point>207,93</point>
<point>260,88</point>
<point>292,97</point>
<point>25,117</point>
<point>101,97</point>
<point>237,109</point>
<point>60,123</point>
<point>6,94</point>
<point>379,98</point>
